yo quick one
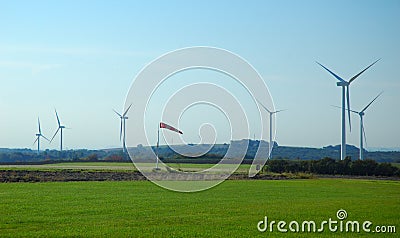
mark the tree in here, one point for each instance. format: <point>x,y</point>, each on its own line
<point>277,165</point>
<point>385,169</point>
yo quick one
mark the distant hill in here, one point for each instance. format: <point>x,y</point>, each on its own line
<point>196,152</point>
<point>278,152</point>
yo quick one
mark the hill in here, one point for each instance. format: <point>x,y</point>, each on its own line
<point>196,153</point>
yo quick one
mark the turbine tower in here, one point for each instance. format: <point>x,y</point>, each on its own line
<point>345,95</point>
<point>38,135</point>
<point>271,113</point>
<point>362,131</point>
<point>123,117</point>
<point>60,128</point>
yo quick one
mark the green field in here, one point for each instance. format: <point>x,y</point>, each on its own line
<point>232,209</point>
<point>396,164</point>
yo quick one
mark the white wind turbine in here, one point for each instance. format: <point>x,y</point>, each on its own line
<point>38,135</point>
<point>271,113</point>
<point>60,128</point>
<point>362,131</point>
<point>123,117</point>
<point>345,94</point>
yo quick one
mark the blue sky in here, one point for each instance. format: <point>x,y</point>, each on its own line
<point>81,58</point>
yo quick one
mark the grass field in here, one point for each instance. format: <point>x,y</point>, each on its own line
<point>232,209</point>
<point>396,164</point>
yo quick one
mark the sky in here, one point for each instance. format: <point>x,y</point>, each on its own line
<point>81,57</point>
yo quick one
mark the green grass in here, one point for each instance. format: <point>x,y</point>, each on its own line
<point>232,209</point>
<point>243,168</point>
<point>94,164</point>
<point>396,165</point>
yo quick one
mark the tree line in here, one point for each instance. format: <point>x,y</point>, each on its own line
<point>26,156</point>
<point>330,166</point>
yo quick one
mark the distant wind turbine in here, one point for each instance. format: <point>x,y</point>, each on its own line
<point>362,130</point>
<point>60,128</point>
<point>345,94</point>
<point>38,135</point>
<point>270,126</point>
<point>123,117</point>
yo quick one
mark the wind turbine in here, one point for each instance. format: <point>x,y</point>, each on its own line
<point>123,117</point>
<point>38,135</point>
<point>345,94</point>
<point>362,131</point>
<point>60,128</point>
<point>270,125</point>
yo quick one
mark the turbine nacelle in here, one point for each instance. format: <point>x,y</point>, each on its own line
<point>342,84</point>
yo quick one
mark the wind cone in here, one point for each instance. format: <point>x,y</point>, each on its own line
<point>166,126</point>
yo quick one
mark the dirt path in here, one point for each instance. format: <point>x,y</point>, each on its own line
<point>65,175</point>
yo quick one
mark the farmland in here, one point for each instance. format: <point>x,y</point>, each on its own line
<point>113,166</point>
<point>232,209</point>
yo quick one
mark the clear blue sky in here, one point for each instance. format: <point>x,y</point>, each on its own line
<point>81,57</point>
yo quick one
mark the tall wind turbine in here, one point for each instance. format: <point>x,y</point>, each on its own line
<point>362,131</point>
<point>38,135</point>
<point>123,117</point>
<point>345,94</point>
<point>60,128</point>
<point>270,125</point>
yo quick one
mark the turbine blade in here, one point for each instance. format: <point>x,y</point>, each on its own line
<point>335,75</point>
<point>40,131</point>
<point>44,137</point>
<point>365,137</point>
<point>355,76</point>
<point>120,131</point>
<point>127,110</point>
<point>54,134</point>
<point>280,111</point>
<point>36,140</point>
<point>58,119</point>
<point>341,108</point>
<point>117,113</point>
<point>348,104</point>
<point>365,108</point>
<point>263,106</point>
